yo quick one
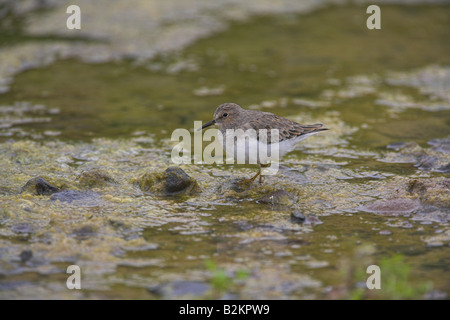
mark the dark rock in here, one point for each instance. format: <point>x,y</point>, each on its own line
<point>278,197</point>
<point>25,255</point>
<point>95,178</point>
<point>297,216</point>
<point>22,228</point>
<point>39,186</point>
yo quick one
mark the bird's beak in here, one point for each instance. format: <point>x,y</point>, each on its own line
<point>208,124</point>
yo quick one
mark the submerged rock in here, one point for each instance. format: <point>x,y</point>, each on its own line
<point>39,186</point>
<point>171,182</point>
<point>434,192</point>
<point>84,232</point>
<point>95,178</point>
<point>278,197</point>
<point>88,198</point>
<point>297,216</point>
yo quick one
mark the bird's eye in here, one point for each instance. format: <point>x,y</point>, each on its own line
<point>225,115</point>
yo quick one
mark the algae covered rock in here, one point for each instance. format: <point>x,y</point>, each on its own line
<point>39,186</point>
<point>436,158</point>
<point>170,182</point>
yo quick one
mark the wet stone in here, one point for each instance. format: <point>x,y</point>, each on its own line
<point>278,197</point>
<point>39,186</point>
<point>434,191</point>
<point>84,233</point>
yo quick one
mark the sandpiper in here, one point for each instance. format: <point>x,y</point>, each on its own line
<point>289,133</point>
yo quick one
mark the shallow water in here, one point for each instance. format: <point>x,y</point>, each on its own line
<point>373,89</point>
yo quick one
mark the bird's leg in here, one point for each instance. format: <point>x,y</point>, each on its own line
<point>260,175</point>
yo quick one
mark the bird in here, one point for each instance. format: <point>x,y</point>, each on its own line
<point>230,117</point>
